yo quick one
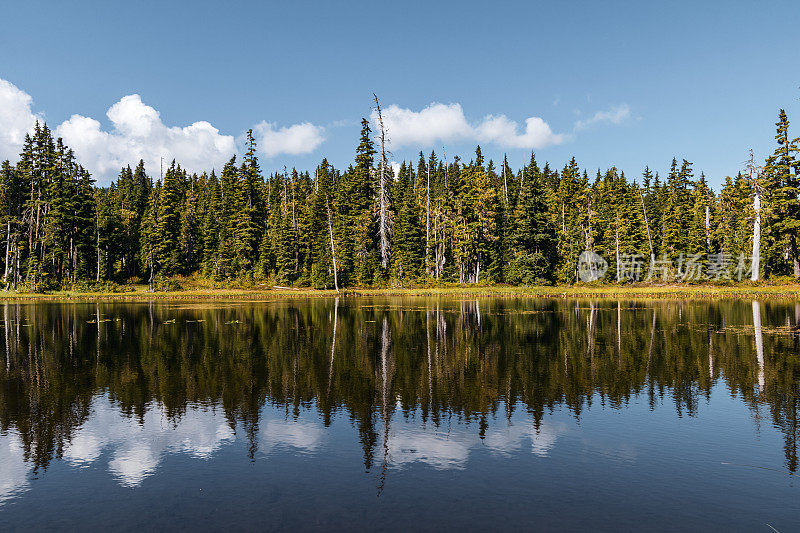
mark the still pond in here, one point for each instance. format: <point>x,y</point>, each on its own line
<point>400,413</point>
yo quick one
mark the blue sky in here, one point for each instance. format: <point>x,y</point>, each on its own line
<point>614,83</point>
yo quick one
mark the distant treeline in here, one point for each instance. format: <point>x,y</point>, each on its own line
<point>437,219</point>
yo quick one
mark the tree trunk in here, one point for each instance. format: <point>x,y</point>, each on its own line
<point>383,194</point>
<point>616,241</point>
<point>756,263</point>
<point>428,222</point>
<point>150,261</point>
<point>795,259</point>
<point>333,250</point>
<point>97,232</point>
<point>296,235</point>
<point>8,252</point>
<point>505,184</point>
<point>444,155</point>
<point>647,227</point>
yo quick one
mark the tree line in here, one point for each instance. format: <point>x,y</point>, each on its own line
<point>436,220</point>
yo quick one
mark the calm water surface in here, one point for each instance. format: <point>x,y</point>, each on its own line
<point>400,413</point>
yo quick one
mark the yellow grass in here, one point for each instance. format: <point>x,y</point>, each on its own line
<point>689,292</point>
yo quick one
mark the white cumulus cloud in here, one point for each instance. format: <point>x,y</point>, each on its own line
<point>296,139</point>
<point>447,123</point>
<point>16,119</point>
<point>139,133</point>
<point>615,115</point>
<point>503,132</point>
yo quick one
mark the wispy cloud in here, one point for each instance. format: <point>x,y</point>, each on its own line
<point>614,115</point>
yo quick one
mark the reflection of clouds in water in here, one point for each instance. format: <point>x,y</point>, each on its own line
<point>514,436</point>
<point>13,468</point>
<point>409,443</point>
<point>451,449</point>
<point>543,440</point>
<point>434,448</point>
<point>136,446</point>
<point>299,434</point>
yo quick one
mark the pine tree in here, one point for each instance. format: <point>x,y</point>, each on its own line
<point>212,227</point>
<point>572,219</point>
<point>533,235</point>
<point>677,211</point>
<point>149,238</point>
<point>360,194</point>
<point>167,228</point>
<point>408,235</point>
<point>782,204</point>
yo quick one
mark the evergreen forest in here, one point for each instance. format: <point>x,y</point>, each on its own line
<point>436,220</point>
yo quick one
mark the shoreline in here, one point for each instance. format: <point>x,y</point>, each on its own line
<point>675,292</point>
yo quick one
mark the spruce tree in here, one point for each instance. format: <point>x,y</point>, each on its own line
<point>533,236</point>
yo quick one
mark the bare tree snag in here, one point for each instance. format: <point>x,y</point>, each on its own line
<point>754,173</point>
<point>333,249</point>
<point>383,193</point>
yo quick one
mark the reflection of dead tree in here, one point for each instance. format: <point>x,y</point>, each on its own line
<point>7,330</point>
<point>650,350</point>
<point>441,336</point>
<point>710,355</point>
<point>797,315</point>
<point>759,344</point>
<point>97,319</point>
<point>384,401</point>
<point>333,341</point>
<point>619,332</point>
<point>430,376</point>
<point>591,320</point>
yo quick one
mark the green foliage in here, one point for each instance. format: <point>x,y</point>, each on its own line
<point>448,222</point>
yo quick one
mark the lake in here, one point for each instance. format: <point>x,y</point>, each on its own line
<point>400,413</point>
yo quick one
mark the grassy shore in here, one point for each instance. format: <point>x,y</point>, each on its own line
<point>677,291</point>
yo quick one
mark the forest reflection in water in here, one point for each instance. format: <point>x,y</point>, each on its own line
<point>421,380</point>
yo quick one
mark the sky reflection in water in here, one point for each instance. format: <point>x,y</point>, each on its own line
<point>668,414</point>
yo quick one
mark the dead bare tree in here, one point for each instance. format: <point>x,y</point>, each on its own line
<point>333,250</point>
<point>444,156</point>
<point>383,193</point>
<point>428,221</point>
<point>754,173</point>
<point>646,224</point>
<point>505,183</point>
